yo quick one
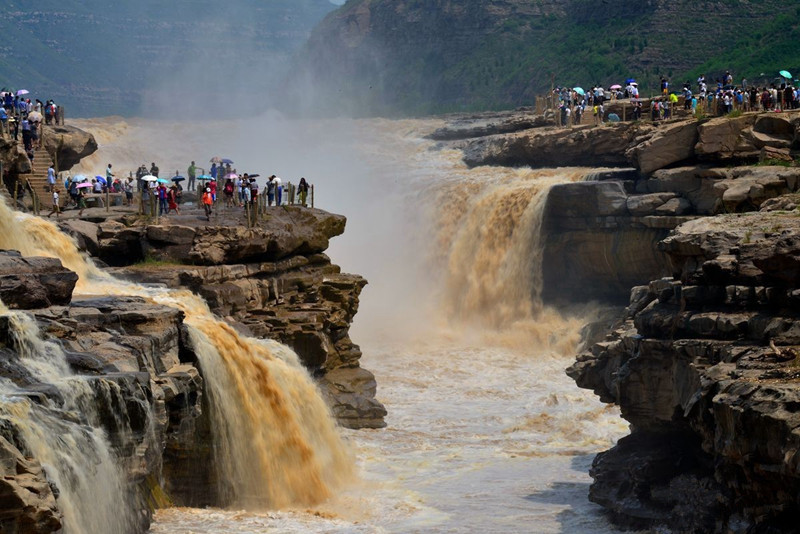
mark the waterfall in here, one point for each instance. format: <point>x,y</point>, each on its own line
<point>276,442</point>
<point>489,249</point>
<point>62,433</point>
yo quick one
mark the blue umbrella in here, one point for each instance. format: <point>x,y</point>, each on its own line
<point>613,117</point>
<point>785,74</point>
<point>579,90</point>
<point>101,179</point>
<point>227,161</point>
<point>630,80</point>
<point>163,181</point>
<point>205,177</point>
<point>78,178</point>
<point>177,178</point>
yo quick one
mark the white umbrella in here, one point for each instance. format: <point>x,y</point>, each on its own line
<point>22,92</point>
<point>150,178</point>
<point>35,116</point>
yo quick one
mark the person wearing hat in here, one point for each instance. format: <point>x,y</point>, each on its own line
<point>207,202</point>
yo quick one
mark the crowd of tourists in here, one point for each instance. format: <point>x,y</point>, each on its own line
<point>719,97</point>
<point>167,193</point>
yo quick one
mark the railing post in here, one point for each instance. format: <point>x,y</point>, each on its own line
<point>312,195</point>
<point>108,207</point>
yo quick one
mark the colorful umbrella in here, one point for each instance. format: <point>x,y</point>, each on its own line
<point>205,177</point>
<point>177,178</point>
<point>83,185</point>
<point>579,90</point>
<point>150,178</point>
<point>785,74</point>
<point>216,159</point>
<point>78,178</point>
<point>101,179</point>
<point>162,180</point>
<point>616,86</point>
<point>22,92</point>
<point>227,161</point>
<point>231,176</point>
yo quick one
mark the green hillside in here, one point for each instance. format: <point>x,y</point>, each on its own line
<point>100,57</point>
<point>413,56</point>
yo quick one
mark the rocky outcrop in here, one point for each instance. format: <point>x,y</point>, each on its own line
<point>486,124</point>
<point>28,283</point>
<point>646,146</point>
<point>67,145</point>
<point>600,237</point>
<point>704,366</point>
<point>581,146</point>
<point>272,281</point>
<point>138,362</point>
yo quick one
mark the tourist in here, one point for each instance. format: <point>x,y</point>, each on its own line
<point>109,176</point>
<point>214,170</point>
<point>55,209</point>
<point>161,193</point>
<point>302,187</point>
<point>172,200</point>
<point>81,194</point>
<point>227,191</point>
<point>154,169</point>
<point>34,134</point>
<point>207,202</point>
<point>51,178</point>
<point>270,190</point>
<point>192,172</point>
<point>25,125</point>
<point>213,186</point>
<point>97,187</point>
<point>128,188</point>
<point>278,192</point>
<point>253,190</point>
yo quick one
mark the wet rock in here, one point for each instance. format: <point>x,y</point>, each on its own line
<point>33,282</point>
<point>26,499</point>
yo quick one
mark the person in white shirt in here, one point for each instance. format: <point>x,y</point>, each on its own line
<point>278,191</point>
<point>55,209</point>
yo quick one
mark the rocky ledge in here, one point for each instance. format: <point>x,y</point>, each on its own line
<point>147,394</point>
<point>271,281</point>
<point>705,365</point>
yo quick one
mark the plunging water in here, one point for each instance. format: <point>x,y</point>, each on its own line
<point>275,441</point>
<point>485,433</point>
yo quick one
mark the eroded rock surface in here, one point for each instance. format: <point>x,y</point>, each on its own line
<point>705,366</point>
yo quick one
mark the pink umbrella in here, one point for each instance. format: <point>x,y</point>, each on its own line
<point>616,86</point>
<point>83,185</point>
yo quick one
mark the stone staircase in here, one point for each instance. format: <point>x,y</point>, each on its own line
<point>38,178</point>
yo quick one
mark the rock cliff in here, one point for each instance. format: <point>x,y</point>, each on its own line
<point>271,281</point>
<point>699,220</point>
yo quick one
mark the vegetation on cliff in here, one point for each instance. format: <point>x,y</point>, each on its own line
<point>382,57</point>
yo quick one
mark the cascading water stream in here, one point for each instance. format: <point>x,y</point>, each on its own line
<point>274,437</point>
<point>62,434</point>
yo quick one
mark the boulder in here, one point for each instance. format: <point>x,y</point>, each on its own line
<point>771,153</point>
<point>640,205</point>
<point>774,131</point>
<point>726,138</point>
<point>674,206</point>
<point>67,145</point>
<point>351,395</point>
<point>28,503</point>
<point>670,144</point>
<point>34,282</point>
<point>588,199</point>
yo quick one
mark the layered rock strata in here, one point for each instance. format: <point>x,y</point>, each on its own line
<point>705,366</point>
<point>136,357</point>
<point>271,281</point>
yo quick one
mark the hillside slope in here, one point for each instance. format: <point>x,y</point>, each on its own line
<point>102,58</point>
<point>413,56</point>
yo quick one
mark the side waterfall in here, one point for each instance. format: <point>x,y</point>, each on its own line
<point>275,439</point>
<point>490,249</point>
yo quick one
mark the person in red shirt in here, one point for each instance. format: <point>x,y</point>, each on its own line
<point>212,185</point>
<point>207,200</point>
